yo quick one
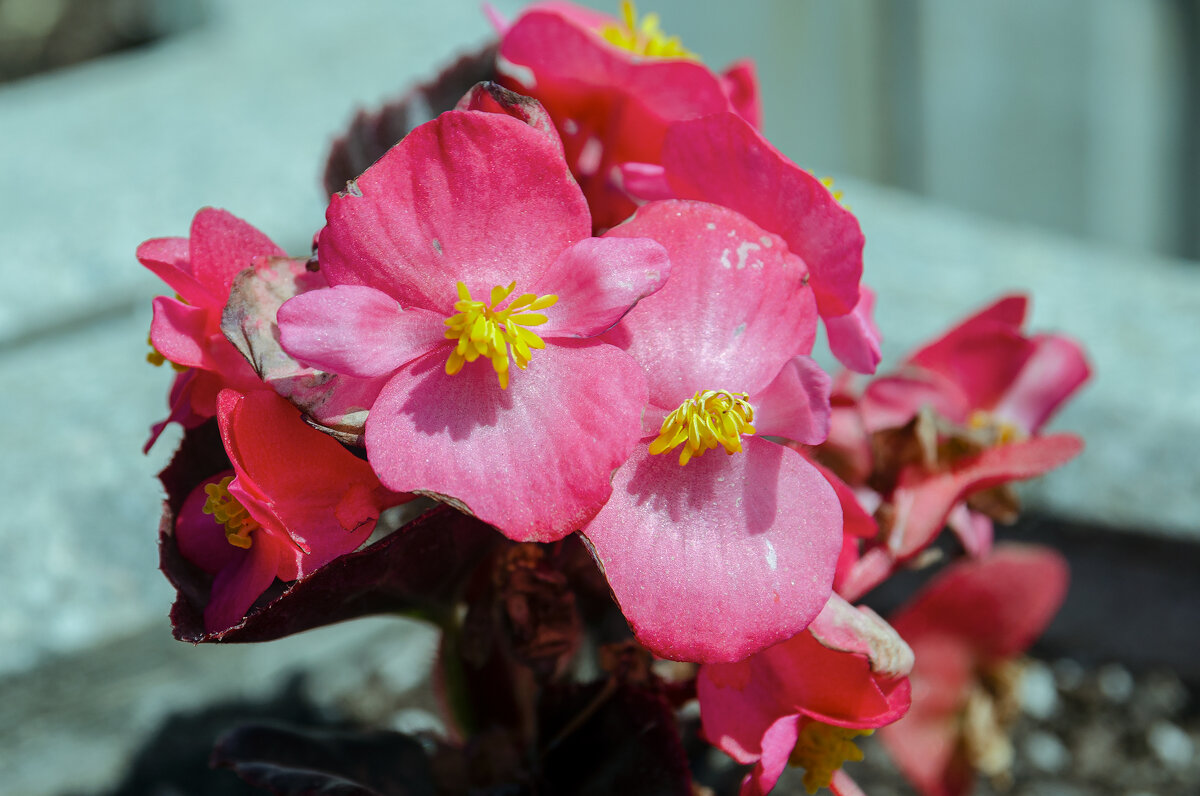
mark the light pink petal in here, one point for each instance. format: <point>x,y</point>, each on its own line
<point>721,158</point>
<point>720,558</point>
<point>1052,374</point>
<point>597,281</point>
<point>734,310</point>
<point>236,587</point>
<point>646,182</point>
<point>856,520</point>
<point>847,628</point>
<point>843,785</point>
<point>777,745</point>
<point>475,197</point>
<point>534,460</point>
<point>356,331</point>
<point>923,501</point>
<point>180,332</point>
<point>973,529</point>
<point>864,574</point>
<point>854,338</point>
<point>795,405</point>
<point>221,246</point>
<point>737,711</point>
<point>168,259</point>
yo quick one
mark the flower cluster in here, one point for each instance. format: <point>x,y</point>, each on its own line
<point>577,308</point>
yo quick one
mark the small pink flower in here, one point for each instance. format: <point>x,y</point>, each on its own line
<point>462,270</point>
<point>716,541</point>
<point>965,628</point>
<point>613,86</point>
<point>294,500</point>
<point>805,699</point>
<point>186,330</point>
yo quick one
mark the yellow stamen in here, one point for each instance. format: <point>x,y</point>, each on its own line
<point>1001,432</point>
<point>821,749</point>
<point>226,510</point>
<point>485,330</point>
<point>836,194</point>
<point>707,419</point>
<point>644,39</point>
<point>156,358</point>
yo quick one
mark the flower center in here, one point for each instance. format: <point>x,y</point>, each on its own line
<point>821,749</point>
<point>484,330</point>
<point>997,431</point>
<point>226,510</point>
<point>644,39</point>
<point>704,421</point>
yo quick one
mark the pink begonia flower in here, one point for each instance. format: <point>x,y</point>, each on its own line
<point>804,700</point>
<point>713,556</point>
<point>186,330</point>
<point>465,251</point>
<point>613,86</point>
<point>294,500</point>
<point>965,628</point>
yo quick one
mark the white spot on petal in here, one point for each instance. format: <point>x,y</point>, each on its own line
<point>711,225</point>
<point>766,242</point>
<point>519,73</point>
<point>772,559</point>
<point>725,263</point>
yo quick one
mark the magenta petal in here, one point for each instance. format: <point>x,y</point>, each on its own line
<point>356,331</point>
<point>222,245</point>
<point>718,559</point>
<point>178,332</point>
<point>1054,371</point>
<point>534,460</point>
<point>477,197</point>
<point>1007,313</point>
<point>740,83</point>
<point>168,259</point>
<point>201,538</point>
<point>854,338</point>
<point>892,401</point>
<point>736,307</point>
<point>494,98</point>
<point>597,281</point>
<point>777,744</point>
<point>720,158</point>
<point>795,405</point>
<point>236,587</point>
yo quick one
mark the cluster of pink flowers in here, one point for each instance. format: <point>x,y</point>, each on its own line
<point>584,302</point>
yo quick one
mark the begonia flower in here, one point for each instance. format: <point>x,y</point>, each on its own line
<point>294,500</point>
<point>716,541</point>
<point>965,628</point>
<point>461,268</point>
<point>612,87</point>
<point>803,701</point>
<point>186,330</point>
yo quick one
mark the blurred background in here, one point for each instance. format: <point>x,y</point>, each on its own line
<point>985,146</point>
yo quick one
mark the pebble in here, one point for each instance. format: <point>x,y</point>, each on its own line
<point>1046,752</point>
<point>1170,745</point>
<point>1038,692</point>
<point>1115,682</point>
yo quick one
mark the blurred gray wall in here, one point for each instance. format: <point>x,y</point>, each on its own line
<point>1077,115</point>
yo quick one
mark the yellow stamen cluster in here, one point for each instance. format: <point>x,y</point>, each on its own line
<point>644,39</point>
<point>821,749</point>
<point>156,358</point>
<point>485,330</point>
<point>226,510</point>
<point>1001,431</point>
<point>707,419</point>
<point>834,192</point>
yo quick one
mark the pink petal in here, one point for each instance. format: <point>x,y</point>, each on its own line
<point>892,401</point>
<point>534,460</point>
<point>1006,313</point>
<point>645,181</point>
<point>221,246</point>
<point>740,83</point>
<point>236,587</point>
<point>847,628</point>
<point>494,98</point>
<point>734,310</point>
<point>722,159</point>
<point>795,405</point>
<point>180,331</point>
<point>477,197</point>
<point>168,259</point>
<point>997,606</point>
<point>865,573</point>
<point>843,785</point>
<point>718,559</point>
<point>597,281</point>
<point>923,501</point>
<point>1052,374</point>
<point>777,745</point>
<point>974,530</point>
<point>854,338</point>
<point>356,331</point>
